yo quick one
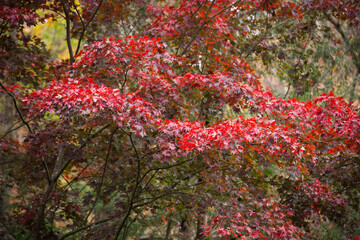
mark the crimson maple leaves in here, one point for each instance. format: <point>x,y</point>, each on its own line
<point>137,90</point>
<point>175,118</point>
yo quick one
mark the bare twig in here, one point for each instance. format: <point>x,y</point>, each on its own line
<point>40,216</point>
<point>288,89</point>
<point>16,107</point>
<point>68,33</point>
<point>137,183</point>
<point>206,21</point>
<point>46,169</point>
<point>97,132</point>
<point>103,175</point>
<point>136,22</point>
<point>85,227</point>
<point>86,26</point>
<point>79,15</point>
<point>199,29</point>
<point>10,130</point>
<point>354,57</point>
<point>183,35</point>
<point>77,177</point>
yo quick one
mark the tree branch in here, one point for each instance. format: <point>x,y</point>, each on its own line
<point>103,175</point>
<point>199,29</point>
<point>35,234</point>
<point>134,191</point>
<point>85,227</point>
<point>68,33</point>
<point>355,59</point>
<point>168,228</point>
<point>10,130</point>
<point>85,28</point>
<point>16,107</point>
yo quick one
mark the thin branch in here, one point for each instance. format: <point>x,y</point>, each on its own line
<point>206,21</point>
<point>79,15</point>
<point>222,10</point>
<point>85,227</point>
<point>287,91</point>
<point>137,22</point>
<point>74,179</point>
<point>103,175</point>
<point>168,228</point>
<point>67,182</point>
<point>263,37</point>
<point>53,216</point>
<point>200,5</point>
<point>124,27</point>
<point>153,199</point>
<point>134,191</point>
<point>57,13</point>
<point>97,132</point>
<point>16,107</point>
<point>125,79</point>
<point>40,215</point>
<point>3,29</point>
<point>136,152</point>
<point>46,169</point>
<point>345,38</point>
<point>183,35</point>
<point>199,29</point>
<point>88,140</point>
<point>85,28</point>
<point>59,160</point>
<point>165,167</point>
<point>355,58</point>
<point>128,226</point>
<point>148,182</point>
<point>68,33</point>
<point>326,141</point>
<point>10,130</point>
<point>337,26</point>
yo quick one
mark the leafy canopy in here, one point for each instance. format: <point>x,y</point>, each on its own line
<point>171,119</point>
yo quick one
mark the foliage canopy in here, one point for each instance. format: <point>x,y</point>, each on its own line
<point>157,123</point>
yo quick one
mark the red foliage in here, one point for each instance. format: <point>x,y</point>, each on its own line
<point>154,104</point>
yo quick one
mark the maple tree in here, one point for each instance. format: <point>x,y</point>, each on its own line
<point>171,122</point>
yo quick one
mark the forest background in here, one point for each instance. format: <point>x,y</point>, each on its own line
<point>152,119</point>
